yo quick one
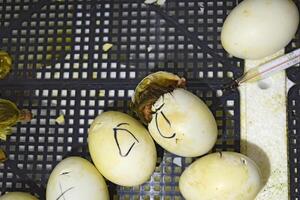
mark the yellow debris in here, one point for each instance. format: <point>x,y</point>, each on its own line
<point>107,46</point>
<point>60,120</point>
<point>95,75</point>
<point>101,93</point>
<point>3,135</point>
<point>2,156</point>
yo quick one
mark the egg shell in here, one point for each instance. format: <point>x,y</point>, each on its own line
<point>122,149</point>
<point>224,175</point>
<point>258,28</point>
<point>183,124</point>
<point>17,196</point>
<point>76,178</point>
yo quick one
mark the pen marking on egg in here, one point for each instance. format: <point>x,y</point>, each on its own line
<point>121,124</point>
<point>171,94</point>
<point>116,131</point>
<point>63,193</point>
<point>65,173</point>
<point>60,187</point>
<point>166,119</point>
<point>157,126</point>
<point>160,107</point>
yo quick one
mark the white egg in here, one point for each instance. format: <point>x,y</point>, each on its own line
<point>224,175</point>
<point>77,179</point>
<point>122,149</point>
<point>259,28</point>
<point>183,124</point>
<point>17,196</point>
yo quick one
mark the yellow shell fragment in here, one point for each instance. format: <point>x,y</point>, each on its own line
<point>101,93</point>
<point>5,64</point>
<point>150,89</point>
<point>4,132</point>
<point>107,46</point>
<point>2,156</point>
<point>60,119</point>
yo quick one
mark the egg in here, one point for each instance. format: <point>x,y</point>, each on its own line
<point>258,28</point>
<point>17,196</point>
<point>223,175</point>
<point>76,178</point>
<point>121,148</point>
<point>183,124</point>
<point>178,120</point>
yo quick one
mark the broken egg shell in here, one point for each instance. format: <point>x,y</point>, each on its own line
<point>183,124</point>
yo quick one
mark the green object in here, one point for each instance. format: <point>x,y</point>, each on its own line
<point>5,64</point>
<point>10,115</point>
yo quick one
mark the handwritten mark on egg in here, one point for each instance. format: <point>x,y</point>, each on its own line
<point>65,173</point>
<point>63,192</point>
<point>119,130</point>
<point>159,112</point>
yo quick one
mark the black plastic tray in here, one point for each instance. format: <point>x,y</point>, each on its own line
<point>59,67</point>
<point>37,147</point>
<point>294,140</point>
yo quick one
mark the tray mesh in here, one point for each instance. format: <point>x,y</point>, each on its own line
<point>38,146</point>
<point>294,140</point>
<point>62,40</point>
<point>294,122</point>
<point>60,67</point>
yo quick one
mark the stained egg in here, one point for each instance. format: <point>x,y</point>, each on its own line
<point>76,178</point>
<point>178,120</point>
<point>18,196</point>
<point>223,175</point>
<point>122,149</point>
<point>259,28</point>
<point>182,124</point>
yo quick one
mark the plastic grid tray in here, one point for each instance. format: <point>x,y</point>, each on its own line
<point>60,68</point>
<point>75,47</point>
<point>293,73</point>
<point>294,122</point>
<point>294,139</point>
<point>38,146</point>
<point>62,40</point>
